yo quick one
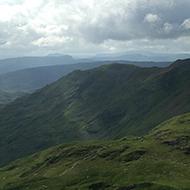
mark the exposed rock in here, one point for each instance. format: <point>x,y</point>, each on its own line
<point>24,174</point>
<point>133,155</point>
<point>113,153</point>
<point>186,150</point>
<point>97,186</point>
<point>180,142</point>
<point>132,186</point>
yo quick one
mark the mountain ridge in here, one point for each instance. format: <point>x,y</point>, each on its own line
<point>141,56</point>
<point>25,81</point>
<point>107,102</point>
<point>15,64</point>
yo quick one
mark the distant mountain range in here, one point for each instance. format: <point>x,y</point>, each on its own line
<point>141,56</point>
<point>108,102</point>
<point>15,64</point>
<point>16,84</point>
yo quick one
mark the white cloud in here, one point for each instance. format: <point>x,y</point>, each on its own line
<point>8,12</point>
<point>186,23</point>
<point>51,41</point>
<point>89,2</point>
<point>32,4</point>
<point>152,18</point>
<point>51,30</point>
<point>90,25</point>
<point>112,49</point>
<point>168,27</point>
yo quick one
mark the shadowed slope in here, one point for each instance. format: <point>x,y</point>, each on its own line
<point>108,102</point>
<point>19,83</point>
<point>156,161</point>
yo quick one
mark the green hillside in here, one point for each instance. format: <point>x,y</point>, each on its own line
<point>34,78</point>
<point>158,161</point>
<point>7,97</point>
<point>108,102</point>
<point>19,83</point>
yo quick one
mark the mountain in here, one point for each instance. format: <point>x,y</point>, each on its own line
<point>15,64</point>
<point>107,102</point>
<point>159,160</point>
<point>34,78</point>
<point>7,97</point>
<point>20,63</point>
<point>19,83</point>
<point>140,56</point>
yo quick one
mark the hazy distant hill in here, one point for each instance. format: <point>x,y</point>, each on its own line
<point>19,83</point>
<point>34,78</point>
<point>15,64</point>
<point>156,161</point>
<point>7,97</point>
<point>108,102</point>
<point>140,56</point>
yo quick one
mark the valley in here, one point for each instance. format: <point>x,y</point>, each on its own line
<point>94,95</point>
<point>108,119</point>
<point>159,160</point>
<point>104,103</point>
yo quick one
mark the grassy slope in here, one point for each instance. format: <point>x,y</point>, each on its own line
<point>156,161</point>
<point>34,78</point>
<point>7,97</point>
<point>107,102</point>
<point>18,83</point>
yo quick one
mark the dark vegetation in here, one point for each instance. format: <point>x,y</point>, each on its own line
<point>156,161</point>
<point>9,96</point>
<point>108,102</point>
<point>22,82</point>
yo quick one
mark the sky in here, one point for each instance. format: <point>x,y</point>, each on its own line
<point>89,27</point>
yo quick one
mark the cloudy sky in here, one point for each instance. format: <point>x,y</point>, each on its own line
<point>41,27</point>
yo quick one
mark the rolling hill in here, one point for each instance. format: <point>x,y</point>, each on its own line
<point>108,102</point>
<point>15,64</point>
<point>7,97</point>
<point>31,79</point>
<point>159,160</point>
<point>140,56</point>
<point>22,82</point>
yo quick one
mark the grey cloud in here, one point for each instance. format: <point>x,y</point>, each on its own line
<point>131,25</point>
<point>74,25</point>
